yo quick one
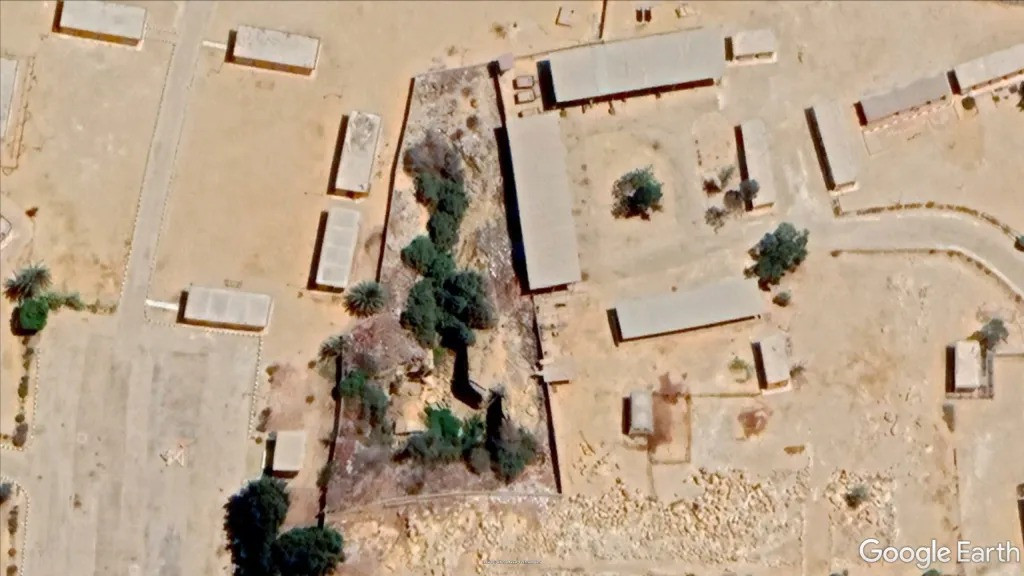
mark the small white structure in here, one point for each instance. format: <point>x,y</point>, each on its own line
<point>338,248</point>
<point>358,153</point>
<point>833,135</point>
<point>8,80</point>
<point>774,356</point>
<point>105,21</point>
<point>754,46</point>
<point>289,451</point>
<point>558,370</point>
<point>987,72</point>
<point>275,50</point>
<point>904,100</point>
<point>641,413</point>
<point>966,366</point>
<point>757,161</point>
<point>227,308</point>
<point>710,305</point>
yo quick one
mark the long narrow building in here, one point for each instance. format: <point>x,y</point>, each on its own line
<point>544,201</point>
<point>710,305</point>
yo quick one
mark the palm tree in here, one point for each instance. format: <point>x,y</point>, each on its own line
<point>29,282</point>
<point>366,299</point>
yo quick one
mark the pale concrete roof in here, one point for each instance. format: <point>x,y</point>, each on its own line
<point>836,139</point>
<point>609,68</point>
<point>358,152</point>
<point>276,47</point>
<point>8,77</point>
<point>289,450</point>
<point>775,357</point>
<point>753,43</point>
<point>103,18</point>
<point>758,159</point>
<point>967,365</point>
<point>990,67</point>
<point>227,307</point>
<point>707,305</point>
<point>544,200</point>
<point>905,98</point>
<point>641,412</point>
<point>559,370</point>
<point>338,249</point>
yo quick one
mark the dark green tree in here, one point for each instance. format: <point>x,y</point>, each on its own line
<point>464,296</point>
<point>441,442</point>
<point>308,551</point>
<point>252,520</point>
<point>443,229</point>
<point>637,193</point>
<point>366,299</point>
<point>779,252</point>
<point>419,254</point>
<point>420,313</point>
<point>32,314</point>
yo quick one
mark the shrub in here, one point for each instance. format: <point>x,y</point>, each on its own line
<point>12,521</point>
<point>856,496</point>
<point>992,333</point>
<point>58,300</point>
<point>419,254</point>
<point>308,551</point>
<point>32,314</point>
<point>779,252</point>
<point>969,103</point>
<point>253,517</point>
<point>782,298</point>
<point>464,296</point>
<point>715,217</point>
<point>420,313</point>
<point>23,387</point>
<point>637,193</point>
<point>29,282</point>
<point>19,417</point>
<point>443,229</point>
<point>433,155</point>
<point>352,385</point>
<point>733,201</point>
<point>441,442</point>
<point>20,435</point>
<point>514,451</point>
<point>749,190</point>
<point>479,460</point>
<point>366,299</point>
<point>374,404</point>
<point>6,492</point>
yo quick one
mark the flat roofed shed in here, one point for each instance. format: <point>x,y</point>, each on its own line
<point>102,21</point>
<point>754,43</point>
<point>757,161</point>
<point>836,139</point>
<point>544,201</point>
<point>641,413</point>
<point>990,68</point>
<point>774,352</point>
<point>708,305</point>
<point>275,49</point>
<point>966,365</point>
<point>338,247</point>
<point>227,308</point>
<point>358,152</point>
<point>607,69</point>
<point>8,78</point>
<point>289,451</point>
<point>905,98</point>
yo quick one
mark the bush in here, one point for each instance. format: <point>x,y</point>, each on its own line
<point>29,282</point>
<point>783,298</point>
<point>715,217</point>
<point>479,460</point>
<point>420,313</point>
<point>58,300</point>
<point>992,333</point>
<point>433,155</point>
<point>749,190</point>
<point>856,496</point>
<point>637,193</point>
<point>443,229</point>
<point>419,254</point>
<point>779,252</point>
<point>513,451</point>
<point>32,314</point>
<point>252,520</point>
<point>308,551</point>
<point>454,333</point>
<point>23,387</point>
<point>366,299</point>
<point>441,267</point>
<point>20,435</point>
<point>464,296</point>
<point>352,385</point>
<point>441,442</point>
<point>374,404</point>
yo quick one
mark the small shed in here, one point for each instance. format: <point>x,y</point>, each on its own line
<point>274,50</point>
<point>754,45</point>
<point>289,451</point>
<point>966,366</point>
<point>641,413</point>
<point>105,21</point>
<point>773,356</point>
<point>358,153</point>
<point>558,370</point>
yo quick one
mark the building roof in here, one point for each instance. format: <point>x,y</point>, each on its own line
<point>559,370</point>
<point>775,357</point>
<point>289,450</point>
<point>103,18</point>
<point>227,307</point>
<point>358,152</point>
<point>338,248</point>
<point>753,42</point>
<point>544,200</point>
<point>966,365</point>
<point>641,412</point>
<point>707,305</point>
<point>905,98</point>
<point>605,69</point>
<point>8,78</point>
<point>758,161</point>
<point>990,67</point>
<point>836,137</point>
<point>276,47</point>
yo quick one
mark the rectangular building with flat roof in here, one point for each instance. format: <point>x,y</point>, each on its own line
<point>544,200</point>
<point>611,68</point>
<point>274,49</point>
<point>966,365</point>
<point>709,305</point>
<point>8,80</point>
<point>641,413</point>
<point>106,21</point>
<point>774,359</point>
<point>757,161</point>
<point>757,44</point>
<point>835,140</point>
<point>358,152</point>
<point>985,72</point>
<point>227,308</point>
<point>289,451</point>
<point>338,248</point>
<point>905,99</point>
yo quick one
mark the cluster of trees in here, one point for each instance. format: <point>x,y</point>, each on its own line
<point>372,403</point>
<point>252,521</point>
<point>736,200</point>
<point>30,289</point>
<point>637,193</point>
<point>446,303</point>
<point>497,444</point>
<point>778,252</point>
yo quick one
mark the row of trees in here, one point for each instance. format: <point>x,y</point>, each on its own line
<point>252,521</point>
<point>30,289</point>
